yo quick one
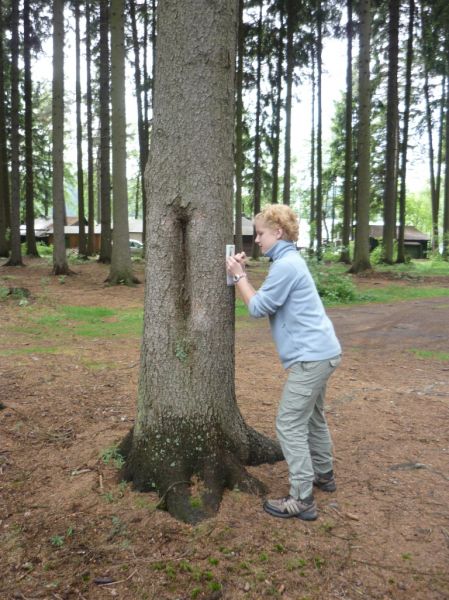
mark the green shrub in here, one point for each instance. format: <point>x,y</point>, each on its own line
<point>332,287</point>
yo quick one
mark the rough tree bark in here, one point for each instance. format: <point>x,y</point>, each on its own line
<point>319,140</point>
<point>239,156</point>
<point>90,143</point>
<point>277,106</point>
<point>290,65</point>
<point>188,429</point>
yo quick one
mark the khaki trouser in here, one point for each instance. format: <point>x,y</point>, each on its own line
<point>301,425</point>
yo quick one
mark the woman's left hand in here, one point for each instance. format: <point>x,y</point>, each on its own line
<point>233,267</point>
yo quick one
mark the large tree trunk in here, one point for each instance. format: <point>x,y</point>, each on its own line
<point>82,245</point>
<point>345,256</point>
<point>391,157</point>
<point>239,156</point>
<point>361,250</point>
<point>28,93</point>
<point>404,143</point>
<point>16,254</point>
<point>60,266</point>
<point>257,175</point>
<point>105,137</point>
<point>121,269</point>
<point>188,426</point>
<point>4,184</point>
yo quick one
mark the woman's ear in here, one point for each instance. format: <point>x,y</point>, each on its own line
<point>279,233</point>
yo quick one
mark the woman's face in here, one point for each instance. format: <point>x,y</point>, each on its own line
<point>266,236</point>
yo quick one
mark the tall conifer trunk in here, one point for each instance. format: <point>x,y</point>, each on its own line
<point>277,108</point>
<point>82,246</point>
<point>90,144</point>
<point>391,158</point>
<point>60,266</point>
<point>404,142</point>
<point>188,428</point>
<point>4,184</point>
<point>15,258</point>
<point>28,97</point>
<point>319,149</point>
<point>239,157</point>
<point>345,256</point>
<point>257,174</point>
<point>105,137</point>
<point>291,23</point>
<point>361,249</point>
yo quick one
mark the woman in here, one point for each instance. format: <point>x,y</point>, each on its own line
<point>308,348</point>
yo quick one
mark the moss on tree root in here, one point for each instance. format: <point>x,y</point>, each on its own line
<point>191,476</point>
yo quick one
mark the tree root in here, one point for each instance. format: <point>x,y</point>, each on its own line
<point>191,484</point>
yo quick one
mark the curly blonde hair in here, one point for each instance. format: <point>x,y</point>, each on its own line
<point>280,216</point>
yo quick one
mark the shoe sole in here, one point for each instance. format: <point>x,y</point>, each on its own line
<point>304,516</point>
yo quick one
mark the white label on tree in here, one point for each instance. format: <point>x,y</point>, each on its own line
<point>230,251</point>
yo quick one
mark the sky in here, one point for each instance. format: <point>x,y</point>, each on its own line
<point>333,81</point>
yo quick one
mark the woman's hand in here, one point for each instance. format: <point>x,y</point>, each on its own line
<point>234,266</point>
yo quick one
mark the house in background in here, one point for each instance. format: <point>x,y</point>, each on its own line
<point>416,243</point>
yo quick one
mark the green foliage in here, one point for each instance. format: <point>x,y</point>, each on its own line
<point>113,454</point>
<point>431,354</point>
<point>333,287</point>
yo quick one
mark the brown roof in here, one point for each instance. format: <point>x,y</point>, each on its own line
<point>411,234</point>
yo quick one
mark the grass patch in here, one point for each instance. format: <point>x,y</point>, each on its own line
<point>396,293</point>
<point>430,354</point>
<point>88,321</point>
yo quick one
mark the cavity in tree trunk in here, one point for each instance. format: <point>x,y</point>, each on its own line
<point>361,248</point>
<point>60,266</point>
<point>16,254</point>
<point>105,137</point>
<point>391,157</point>
<point>347,194</point>
<point>404,145</point>
<point>121,269</point>
<point>188,428</point>
<point>82,246</point>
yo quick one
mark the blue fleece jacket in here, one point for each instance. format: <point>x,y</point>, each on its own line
<point>299,325</point>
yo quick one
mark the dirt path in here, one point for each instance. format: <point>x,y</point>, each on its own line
<point>65,522</point>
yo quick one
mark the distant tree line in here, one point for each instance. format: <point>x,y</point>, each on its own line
<point>397,76</point>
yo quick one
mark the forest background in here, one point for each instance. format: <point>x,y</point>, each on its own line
<point>298,123</point>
